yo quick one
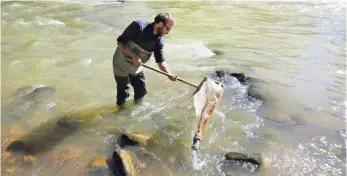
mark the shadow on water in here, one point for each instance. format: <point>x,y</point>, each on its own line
<point>45,136</point>
<point>54,131</point>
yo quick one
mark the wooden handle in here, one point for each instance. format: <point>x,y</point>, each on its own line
<point>164,73</point>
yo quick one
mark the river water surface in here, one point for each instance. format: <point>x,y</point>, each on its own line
<point>296,50</point>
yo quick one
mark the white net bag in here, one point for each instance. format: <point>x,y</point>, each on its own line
<point>205,102</point>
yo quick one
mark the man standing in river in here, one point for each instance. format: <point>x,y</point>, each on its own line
<point>135,46</point>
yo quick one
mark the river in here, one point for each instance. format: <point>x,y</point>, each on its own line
<point>297,50</point>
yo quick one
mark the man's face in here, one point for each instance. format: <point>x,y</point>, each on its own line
<point>162,29</point>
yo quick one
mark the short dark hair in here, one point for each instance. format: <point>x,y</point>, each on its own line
<point>165,18</point>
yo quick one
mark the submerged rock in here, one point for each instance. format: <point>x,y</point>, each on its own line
<point>252,91</point>
<point>99,167</point>
<point>138,161</point>
<point>218,52</point>
<point>134,139</point>
<point>239,76</point>
<point>40,92</point>
<point>8,158</point>
<point>25,101</point>
<point>23,91</point>
<point>29,159</point>
<point>17,129</point>
<point>44,137</point>
<point>254,158</point>
<point>52,132</point>
<point>123,163</point>
<point>33,93</point>
<point>236,163</point>
<point>69,153</point>
<point>10,170</point>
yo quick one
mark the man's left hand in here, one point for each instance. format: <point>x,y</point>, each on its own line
<point>172,77</point>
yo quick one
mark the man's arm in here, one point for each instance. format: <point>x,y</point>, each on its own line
<point>163,67</point>
<point>160,60</point>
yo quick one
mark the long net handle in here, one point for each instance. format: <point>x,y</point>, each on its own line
<point>164,73</point>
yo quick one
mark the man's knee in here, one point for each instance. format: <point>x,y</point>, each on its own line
<point>122,89</point>
<point>122,81</point>
<point>140,93</point>
<point>139,84</point>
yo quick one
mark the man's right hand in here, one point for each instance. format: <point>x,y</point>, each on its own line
<point>137,61</point>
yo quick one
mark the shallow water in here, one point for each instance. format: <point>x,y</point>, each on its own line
<point>297,51</point>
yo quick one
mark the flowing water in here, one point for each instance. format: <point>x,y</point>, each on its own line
<point>297,50</point>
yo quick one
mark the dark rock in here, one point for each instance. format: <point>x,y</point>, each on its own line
<point>254,92</point>
<point>99,167</point>
<point>68,123</point>
<point>117,165</point>
<point>16,146</point>
<point>24,91</point>
<point>218,52</point>
<point>123,163</point>
<point>236,163</point>
<point>220,73</point>
<point>45,136</point>
<point>134,139</point>
<point>40,92</point>
<point>239,76</point>
<point>125,140</point>
<point>254,158</point>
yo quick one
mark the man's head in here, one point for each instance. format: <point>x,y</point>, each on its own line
<point>163,24</point>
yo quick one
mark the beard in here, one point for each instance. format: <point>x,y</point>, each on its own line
<point>160,31</point>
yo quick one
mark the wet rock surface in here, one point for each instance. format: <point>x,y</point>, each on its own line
<point>253,158</point>
<point>252,91</point>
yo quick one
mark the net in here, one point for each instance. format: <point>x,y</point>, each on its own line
<point>205,102</point>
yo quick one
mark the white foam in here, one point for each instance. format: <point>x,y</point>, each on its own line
<point>340,72</point>
<point>16,5</point>
<point>197,164</point>
<point>46,63</point>
<point>190,50</point>
<point>45,21</point>
<point>92,2</point>
<point>87,62</point>
<point>21,21</point>
<point>17,65</point>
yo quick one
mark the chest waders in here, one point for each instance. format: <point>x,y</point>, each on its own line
<point>125,71</point>
<point>123,65</point>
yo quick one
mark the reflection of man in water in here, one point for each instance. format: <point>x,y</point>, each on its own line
<point>135,46</point>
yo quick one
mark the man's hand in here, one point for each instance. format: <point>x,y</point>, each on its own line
<point>172,77</point>
<point>137,61</point>
<point>163,67</point>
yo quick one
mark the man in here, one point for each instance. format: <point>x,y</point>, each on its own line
<point>135,46</point>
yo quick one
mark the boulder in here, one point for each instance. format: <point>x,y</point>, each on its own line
<point>53,131</point>
<point>123,163</point>
<point>39,93</point>
<point>69,153</point>
<point>252,91</point>
<point>239,76</point>
<point>134,139</point>
<point>45,136</point>
<point>99,167</point>
<point>236,163</point>
<point>253,158</point>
